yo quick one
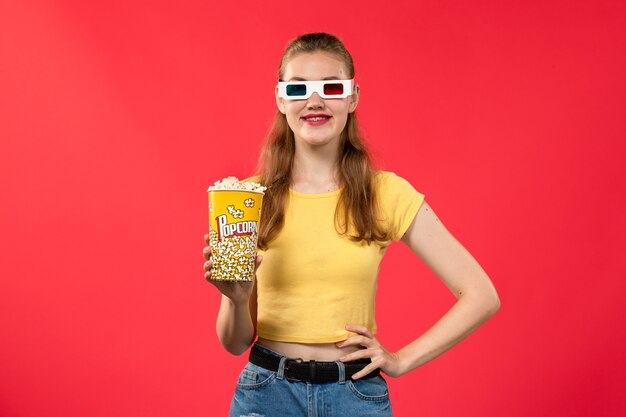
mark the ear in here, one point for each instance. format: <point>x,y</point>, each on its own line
<point>354,98</point>
<point>280,102</point>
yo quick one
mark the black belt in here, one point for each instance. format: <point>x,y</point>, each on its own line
<point>309,371</point>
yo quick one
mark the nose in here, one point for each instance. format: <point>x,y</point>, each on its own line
<point>315,101</point>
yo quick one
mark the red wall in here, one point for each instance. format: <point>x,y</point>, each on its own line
<point>115,117</point>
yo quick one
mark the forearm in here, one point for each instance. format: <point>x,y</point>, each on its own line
<point>234,326</point>
<point>465,316</point>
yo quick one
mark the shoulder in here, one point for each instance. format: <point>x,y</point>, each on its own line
<point>387,182</point>
<point>398,202</point>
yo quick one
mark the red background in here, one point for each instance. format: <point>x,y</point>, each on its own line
<point>115,116</point>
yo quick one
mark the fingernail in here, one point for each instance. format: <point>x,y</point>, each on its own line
<point>343,358</point>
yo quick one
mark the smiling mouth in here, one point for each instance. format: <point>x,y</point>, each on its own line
<point>316,118</point>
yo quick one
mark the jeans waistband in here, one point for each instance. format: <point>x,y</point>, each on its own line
<point>299,370</point>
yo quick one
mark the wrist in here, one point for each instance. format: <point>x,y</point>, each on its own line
<point>404,362</point>
<point>238,303</point>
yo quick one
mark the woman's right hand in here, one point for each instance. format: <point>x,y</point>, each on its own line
<point>237,291</point>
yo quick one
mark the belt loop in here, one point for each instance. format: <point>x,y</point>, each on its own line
<point>342,372</point>
<point>281,368</point>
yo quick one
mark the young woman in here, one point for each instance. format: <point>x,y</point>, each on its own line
<point>327,219</point>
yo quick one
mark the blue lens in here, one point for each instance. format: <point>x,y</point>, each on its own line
<point>296,90</point>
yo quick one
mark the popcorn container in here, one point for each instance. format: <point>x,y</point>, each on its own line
<point>233,230</point>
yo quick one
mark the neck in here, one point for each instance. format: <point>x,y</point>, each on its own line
<point>315,169</point>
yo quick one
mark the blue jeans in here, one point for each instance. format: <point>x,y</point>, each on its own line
<point>263,393</point>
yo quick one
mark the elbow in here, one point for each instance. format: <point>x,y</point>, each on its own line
<point>233,346</point>
<point>487,303</point>
<point>492,304</point>
<point>490,300</point>
<point>236,350</point>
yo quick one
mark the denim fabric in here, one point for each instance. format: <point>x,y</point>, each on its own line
<point>263,393</point>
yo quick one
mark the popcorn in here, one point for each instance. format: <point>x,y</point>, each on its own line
<point>234,211</point>
<point>237,255</point>
<point>232,183</point>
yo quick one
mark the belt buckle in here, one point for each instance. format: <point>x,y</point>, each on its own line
<point>299,361</point>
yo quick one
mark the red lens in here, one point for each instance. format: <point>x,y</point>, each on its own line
<point>333,89</point>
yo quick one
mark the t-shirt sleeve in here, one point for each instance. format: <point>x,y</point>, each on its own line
<point>399,201</point>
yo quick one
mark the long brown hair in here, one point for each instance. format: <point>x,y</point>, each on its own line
<point>356,212</point>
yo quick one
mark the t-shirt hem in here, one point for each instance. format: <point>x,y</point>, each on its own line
<point>299,339</point>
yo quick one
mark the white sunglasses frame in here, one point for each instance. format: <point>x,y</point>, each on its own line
<point>315,87</point>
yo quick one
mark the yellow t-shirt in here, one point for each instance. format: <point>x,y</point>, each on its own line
<point>313,281</point>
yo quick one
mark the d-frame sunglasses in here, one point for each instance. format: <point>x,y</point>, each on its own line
<point>301,90</point>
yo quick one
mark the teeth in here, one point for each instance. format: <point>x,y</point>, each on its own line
<point>316,119</point>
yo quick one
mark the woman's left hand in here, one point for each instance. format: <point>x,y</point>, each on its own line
<point>388,362</point>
